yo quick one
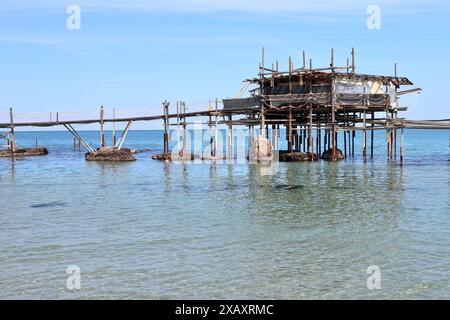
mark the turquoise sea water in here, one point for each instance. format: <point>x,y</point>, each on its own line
<point>154,230</point>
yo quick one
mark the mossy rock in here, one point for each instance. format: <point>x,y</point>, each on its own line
<point>110,154</point>
<point>326,155</point>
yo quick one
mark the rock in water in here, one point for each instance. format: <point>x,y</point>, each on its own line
<point>24,152</point>
<point>297,156</point>
<point>110,154</point>
<point>326,155</point>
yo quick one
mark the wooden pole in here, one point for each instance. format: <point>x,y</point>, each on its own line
<point>183,110</point>
<point>216,134</point>
<point>13,139</point>
<point>178,129</point>
<point>353,142</point>
<point>211,139</point>
<point>102,134</point>
<point>350,130</point>
<point>304,59</point>
<point>261,87</point>
<point>364,135</point>
<point>345,143</point>
<point>290,131</point>
<point>402,144</point>
<point>395,138</point>
<point>332,60</point>
<point>274,136</point>
<point>333,121</point>
<point>387,136</point>
<point>372,134</point>
<point>311,142</point>
<point>166,127</point>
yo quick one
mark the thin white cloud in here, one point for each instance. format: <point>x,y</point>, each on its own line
<point>29,39</point>
<point>204,6</point>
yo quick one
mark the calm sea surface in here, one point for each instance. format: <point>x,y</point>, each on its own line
<point>155,230</point>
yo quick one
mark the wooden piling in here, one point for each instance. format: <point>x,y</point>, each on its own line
<point>216,127</point>
<point>345,143</point>
<point>402,144</point>
<point>211,139</point>
<point>388,147</point>
<point>395,137</point>
<point>349,143</point>
<point>102,134</point>
<point>372,133</point>
<point>178,129</point>
<point>333,122</point>
<point>166,127</point>
<point>353,142</point>
<point>274,135</point>
<point>13,138</point>
<point>311,142</point>
<point>364,135</point>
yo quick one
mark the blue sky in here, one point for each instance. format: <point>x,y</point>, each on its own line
<point>134,54</point>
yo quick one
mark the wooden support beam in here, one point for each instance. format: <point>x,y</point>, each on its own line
<point>304,59</point>
<point>395,138</point>
<point>166,127</point>
<point>388,143</point>
<point>332,60</point>
<point>13,139</point>
<point>311,142</point>
<point>216,127</point>
<point>364,136</point>
<point>372,134</point>
<point>102,134</point>
<point>333,121</point>
<point>402,144</point>
<point>353,142</point>
<point>274,136</point>
<point>290,130</point>
<point>345,143</point>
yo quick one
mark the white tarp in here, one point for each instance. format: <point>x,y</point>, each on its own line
<point>359,87</point>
